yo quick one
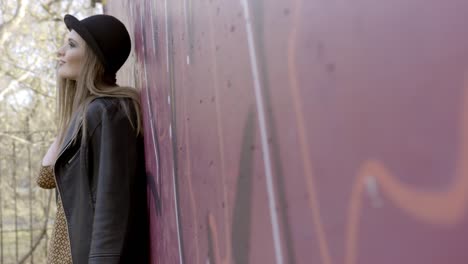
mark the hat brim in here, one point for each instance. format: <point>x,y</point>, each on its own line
<point>73,23</point>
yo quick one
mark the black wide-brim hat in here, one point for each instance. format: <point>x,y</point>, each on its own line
<point>106,36</point>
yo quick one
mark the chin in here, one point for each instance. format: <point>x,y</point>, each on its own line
<point>66,76</point>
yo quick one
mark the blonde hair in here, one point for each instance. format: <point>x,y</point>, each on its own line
<point>74,96</point>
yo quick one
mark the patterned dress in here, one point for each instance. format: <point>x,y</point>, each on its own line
<point>59,251</point>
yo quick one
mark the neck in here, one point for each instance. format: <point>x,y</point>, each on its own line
<point>103,85</point>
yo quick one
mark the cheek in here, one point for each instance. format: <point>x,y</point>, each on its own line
<point>71,69</point>
<point>74,59</point>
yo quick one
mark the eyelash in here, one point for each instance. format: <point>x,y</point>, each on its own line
<point>72,45</point>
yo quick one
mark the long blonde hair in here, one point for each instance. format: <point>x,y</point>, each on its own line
<point>74,96</point>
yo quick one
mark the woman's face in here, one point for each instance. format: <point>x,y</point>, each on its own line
<point>71,56</point>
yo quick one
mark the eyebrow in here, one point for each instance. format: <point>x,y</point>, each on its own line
<point>72,40</point>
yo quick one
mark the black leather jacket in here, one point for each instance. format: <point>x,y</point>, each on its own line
<point>102,185</point>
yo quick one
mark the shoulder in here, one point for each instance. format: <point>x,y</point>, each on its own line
<point>102,105</point>
<point>106,109</point>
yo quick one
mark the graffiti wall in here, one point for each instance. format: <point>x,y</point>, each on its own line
<point>303,131</point>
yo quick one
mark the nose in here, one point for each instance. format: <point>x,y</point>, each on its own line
<point>61,51</point>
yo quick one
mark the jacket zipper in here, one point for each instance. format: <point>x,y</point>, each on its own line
<point>74,157</point>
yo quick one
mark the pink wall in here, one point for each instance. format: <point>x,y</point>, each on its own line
<point>304,131</point>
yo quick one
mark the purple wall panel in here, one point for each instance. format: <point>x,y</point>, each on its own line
<point>303,131</point>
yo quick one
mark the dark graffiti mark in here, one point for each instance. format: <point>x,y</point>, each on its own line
<point>152,119</point>
<point>138,38</point>
<point>157,147</point>
<point>155,30</point>
<point>142,55</point>
<point>154,193</point>
<point>243,202</point>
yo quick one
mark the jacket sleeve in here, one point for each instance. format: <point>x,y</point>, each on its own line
<point>113,150</point>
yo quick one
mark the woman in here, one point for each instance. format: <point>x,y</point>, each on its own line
<point>96,162</point>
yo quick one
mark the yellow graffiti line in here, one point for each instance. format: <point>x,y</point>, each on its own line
<point>304,143</point>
